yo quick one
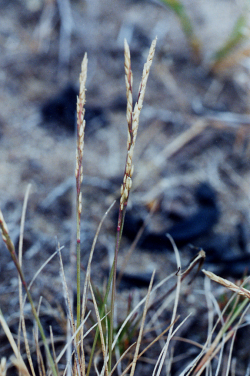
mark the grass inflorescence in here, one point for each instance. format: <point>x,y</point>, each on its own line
<point>96,342</point>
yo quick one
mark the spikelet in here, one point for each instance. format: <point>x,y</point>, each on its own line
<point>80,129</point>
<point>5,235</point>
<point>230,285</point>
<point>133,116</point>
<point>3,227</point>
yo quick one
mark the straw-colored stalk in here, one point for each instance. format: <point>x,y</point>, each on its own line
<point>79,175</point>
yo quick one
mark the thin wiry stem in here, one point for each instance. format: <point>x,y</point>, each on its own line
<point>100,328</point>
<point>86,285</point>
<point>21,302</point>
<point>142,327</point>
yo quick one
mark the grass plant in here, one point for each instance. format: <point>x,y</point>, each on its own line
<point>228,54</point>
<point>187,27</point>
<point>116,347</point>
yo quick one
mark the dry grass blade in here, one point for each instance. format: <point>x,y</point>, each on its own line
<point>193,365</point>
<point>3,367</point>
<point>42,267</point>
<point>233,339</point>
<point>87,277</point>
<point>135,309</point>
<point>104,351</point>
<point>77,331</point>
<point>121,358</point>
<point>230,285</point>
<point>106,344</point>
<point>70,315</point>
<point>168,294</point>
<point>13,344</point>
<point>10,246</point>
<point>146,349</point>
<point>211,355</point>
<point>164,353</point>
<point>25,202</point>
<point>210,301</point>
<point>217,345</point>
<point>154,341</point>
<point>21,303</point>
<point>189,341</point>
<point>73,337</point>
<point>96,362</point>
<point>67,299</point>
<point>222,336</point>
<point>87,280</point>
<point>198,259</point>
<point>158,337</point>
<point>27,348</point>
<point>38,343</point>
<point>53,348</point>
<point>142,327</point>
<point>39,357</point>
<point>20,366</point>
